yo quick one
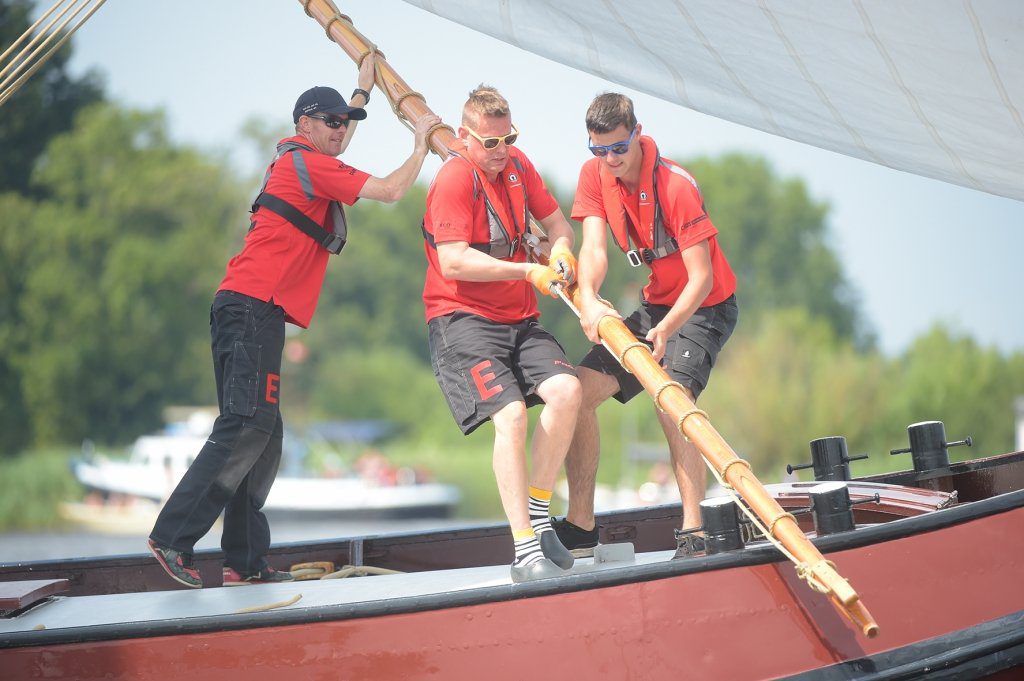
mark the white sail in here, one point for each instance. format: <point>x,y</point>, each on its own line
<point>932,87</point>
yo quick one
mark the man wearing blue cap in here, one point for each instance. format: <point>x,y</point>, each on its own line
<point>298,222</point>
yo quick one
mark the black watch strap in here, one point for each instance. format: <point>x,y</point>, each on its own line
<point>364,93</point>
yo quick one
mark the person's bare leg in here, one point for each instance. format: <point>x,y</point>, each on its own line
<point>562,395</point>
<point>509,463</point>
<point>689,468</point>
<point>585,450</point>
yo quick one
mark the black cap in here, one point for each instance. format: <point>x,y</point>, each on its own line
<point>325,100</point>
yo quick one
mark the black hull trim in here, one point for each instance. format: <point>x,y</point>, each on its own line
<point>392,513</point>
<point>974,653</point>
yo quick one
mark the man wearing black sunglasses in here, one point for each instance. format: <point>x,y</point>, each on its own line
<point>687,312</point>
<point>297,223</point>
<point>491,356</point>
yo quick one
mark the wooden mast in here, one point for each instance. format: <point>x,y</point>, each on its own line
<point>782,528</point>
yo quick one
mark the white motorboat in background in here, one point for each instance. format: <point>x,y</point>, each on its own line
<point>373,489</point>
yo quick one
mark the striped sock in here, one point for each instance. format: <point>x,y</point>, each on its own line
<point>527,549</point>
<point>540,502</point>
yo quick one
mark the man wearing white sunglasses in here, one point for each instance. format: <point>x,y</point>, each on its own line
<point>491,356</point>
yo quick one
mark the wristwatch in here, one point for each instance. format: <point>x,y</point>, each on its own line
<point>364,93</point>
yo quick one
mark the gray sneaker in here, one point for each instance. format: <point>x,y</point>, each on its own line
<point>554,551</point>
<point>542,569</point>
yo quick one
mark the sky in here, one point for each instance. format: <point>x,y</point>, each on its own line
<point>917,251</point>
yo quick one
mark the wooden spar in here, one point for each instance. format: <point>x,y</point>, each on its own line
<point>694,424</point>
<point>407,104</point>
<point>636,357</point>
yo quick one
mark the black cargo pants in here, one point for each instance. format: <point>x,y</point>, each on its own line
<point>236,467</point>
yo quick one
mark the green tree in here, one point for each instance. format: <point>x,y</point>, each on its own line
<point>947,377</point>
<point>117,269</point>
<point>372,297</point>
<point>776,239</point>
<point>43,107</point>
<point>793,379</point>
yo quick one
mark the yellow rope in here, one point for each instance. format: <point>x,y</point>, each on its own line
<point>360,571</point>
<point>734,462</point>
<point>270,606</point>
<point>776,519</point>
<point>441,126</point>
<point>630,346</point>
<point>657,393</point>
<point>687,414</point>
<point>806,573</point>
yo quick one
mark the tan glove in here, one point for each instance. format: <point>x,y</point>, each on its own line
<point>544,278</point>
<point>563,261</point>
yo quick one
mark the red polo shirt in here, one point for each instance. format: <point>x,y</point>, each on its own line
<point>278,262</point>
<point>454,215</point>
<point>683,214</point>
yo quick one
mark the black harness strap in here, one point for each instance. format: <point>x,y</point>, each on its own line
<point>500,246</point>
<point>663,244</point>
<point>332,242</point>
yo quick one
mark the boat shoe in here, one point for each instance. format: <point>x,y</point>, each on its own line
<point>554,550</point>
<point>580,542</point>
<point>178,565</point>
<point>688,544</point>
<point>541,569</point>
<point>267,575</point>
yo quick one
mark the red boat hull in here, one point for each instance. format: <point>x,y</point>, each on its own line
<point>745,622</point>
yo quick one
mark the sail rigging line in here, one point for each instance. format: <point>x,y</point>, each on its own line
<point>911,98</point>
<point>766,112</point>
<point>819,91</point>
<point>12,82</point>
<point>31,29</point>
<point>693,423</point>
<point>986,55</point>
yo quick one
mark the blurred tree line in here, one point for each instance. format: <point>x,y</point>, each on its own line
<point>113,238</point>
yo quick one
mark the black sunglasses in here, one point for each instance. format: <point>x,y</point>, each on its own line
<point>333,122</point>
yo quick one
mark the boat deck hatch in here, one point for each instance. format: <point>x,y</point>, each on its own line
<point>17,597</point>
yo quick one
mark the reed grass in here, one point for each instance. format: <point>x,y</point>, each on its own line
<point>32,485</point>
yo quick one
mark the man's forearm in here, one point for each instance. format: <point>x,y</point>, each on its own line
<point>402,177</point>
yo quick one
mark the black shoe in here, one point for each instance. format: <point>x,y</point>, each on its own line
<point>554,551</point>
<point>688,544</point>
<point>178,565</point>
<point>267,575</point>
<point>580,542</point>
<point>541,569</point>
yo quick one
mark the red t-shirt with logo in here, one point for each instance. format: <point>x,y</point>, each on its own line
<point>684,218</point>
<point>278,261</point>
<point>454,215</point>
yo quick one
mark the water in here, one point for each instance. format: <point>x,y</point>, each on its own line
<point>17,546</point>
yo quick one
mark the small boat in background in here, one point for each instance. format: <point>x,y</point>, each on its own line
<point>372,488</point>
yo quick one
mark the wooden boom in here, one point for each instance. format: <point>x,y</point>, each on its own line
<point>635,356</point>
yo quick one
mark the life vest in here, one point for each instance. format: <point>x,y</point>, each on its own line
<point>506,231</point>
<point>652,226</point>
<point>333,241</point>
